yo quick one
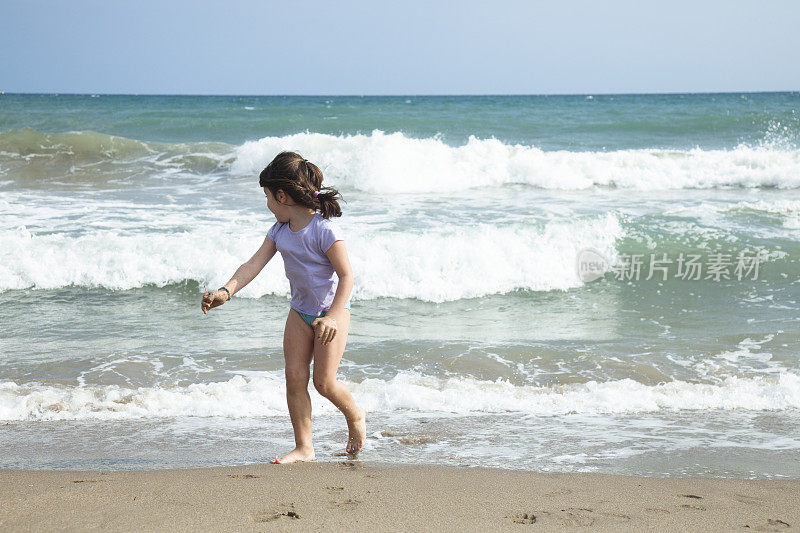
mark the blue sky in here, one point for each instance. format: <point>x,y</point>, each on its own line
<point>410,47</point>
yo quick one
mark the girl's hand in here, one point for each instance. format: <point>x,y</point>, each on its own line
<point>325,329</point>
<point>213,299</point>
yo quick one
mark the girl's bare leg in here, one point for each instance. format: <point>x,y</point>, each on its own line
<point>326,363</point>
<point>298,342</point>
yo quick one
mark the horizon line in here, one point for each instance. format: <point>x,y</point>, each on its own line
<point>667,93</point>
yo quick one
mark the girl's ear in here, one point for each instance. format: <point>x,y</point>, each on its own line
<point>282,197</point>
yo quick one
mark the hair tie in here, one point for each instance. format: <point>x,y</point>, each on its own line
<point>316,193</point>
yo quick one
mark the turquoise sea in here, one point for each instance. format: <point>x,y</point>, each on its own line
<point>474,225</point>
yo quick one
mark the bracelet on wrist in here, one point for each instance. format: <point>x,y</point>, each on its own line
<point>224,288</point>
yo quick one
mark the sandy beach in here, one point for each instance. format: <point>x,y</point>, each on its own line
<point>363,496</point>
<point>550,249</point>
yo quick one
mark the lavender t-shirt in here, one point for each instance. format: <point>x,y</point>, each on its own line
<point>312,279</point>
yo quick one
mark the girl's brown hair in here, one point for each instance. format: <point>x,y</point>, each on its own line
<point>300,178</point>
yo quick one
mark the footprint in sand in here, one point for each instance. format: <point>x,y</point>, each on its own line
<point>689,506</point>
<point>693,507</point>
<point>581,517</point>
<point>334,489</point>
<point>269,516</point>
<point>349,503</point>
<point>523,518</point>
<point>744,498</point>
<point>769,525</point>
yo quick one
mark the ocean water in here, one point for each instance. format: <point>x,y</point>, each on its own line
<point>475,227</point>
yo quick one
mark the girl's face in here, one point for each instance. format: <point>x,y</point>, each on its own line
<point>282,205</point>
<point>280,210</point>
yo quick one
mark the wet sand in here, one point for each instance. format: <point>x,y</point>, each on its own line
<point>363,496</point>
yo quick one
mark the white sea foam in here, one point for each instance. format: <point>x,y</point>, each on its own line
<point>88,240</point>
<point>787,212</point>
<point>263,394</point>
<point>395,162</point>
<point>774,207</point>
<point>381,162</point>
<point>448,263</point>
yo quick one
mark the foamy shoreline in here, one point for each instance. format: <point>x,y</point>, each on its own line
<point>364,496</point>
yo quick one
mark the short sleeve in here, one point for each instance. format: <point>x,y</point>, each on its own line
<point>329,232</point>
<point>271,231</point>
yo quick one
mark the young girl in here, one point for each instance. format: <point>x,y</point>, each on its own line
<point>321,280</point>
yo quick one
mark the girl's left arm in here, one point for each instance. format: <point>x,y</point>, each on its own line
<point>326,327</point>
<point>337,254</point>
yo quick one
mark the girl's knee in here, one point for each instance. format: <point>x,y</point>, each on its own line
<point>324,386</point>
<point>296,378</point>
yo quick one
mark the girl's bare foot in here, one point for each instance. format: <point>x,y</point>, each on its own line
<point>297,455</point>
<point>358,432</point>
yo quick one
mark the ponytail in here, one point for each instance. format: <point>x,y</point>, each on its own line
<point>328,206</point>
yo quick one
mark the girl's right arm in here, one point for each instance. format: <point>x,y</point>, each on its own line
<point>243,275</point>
